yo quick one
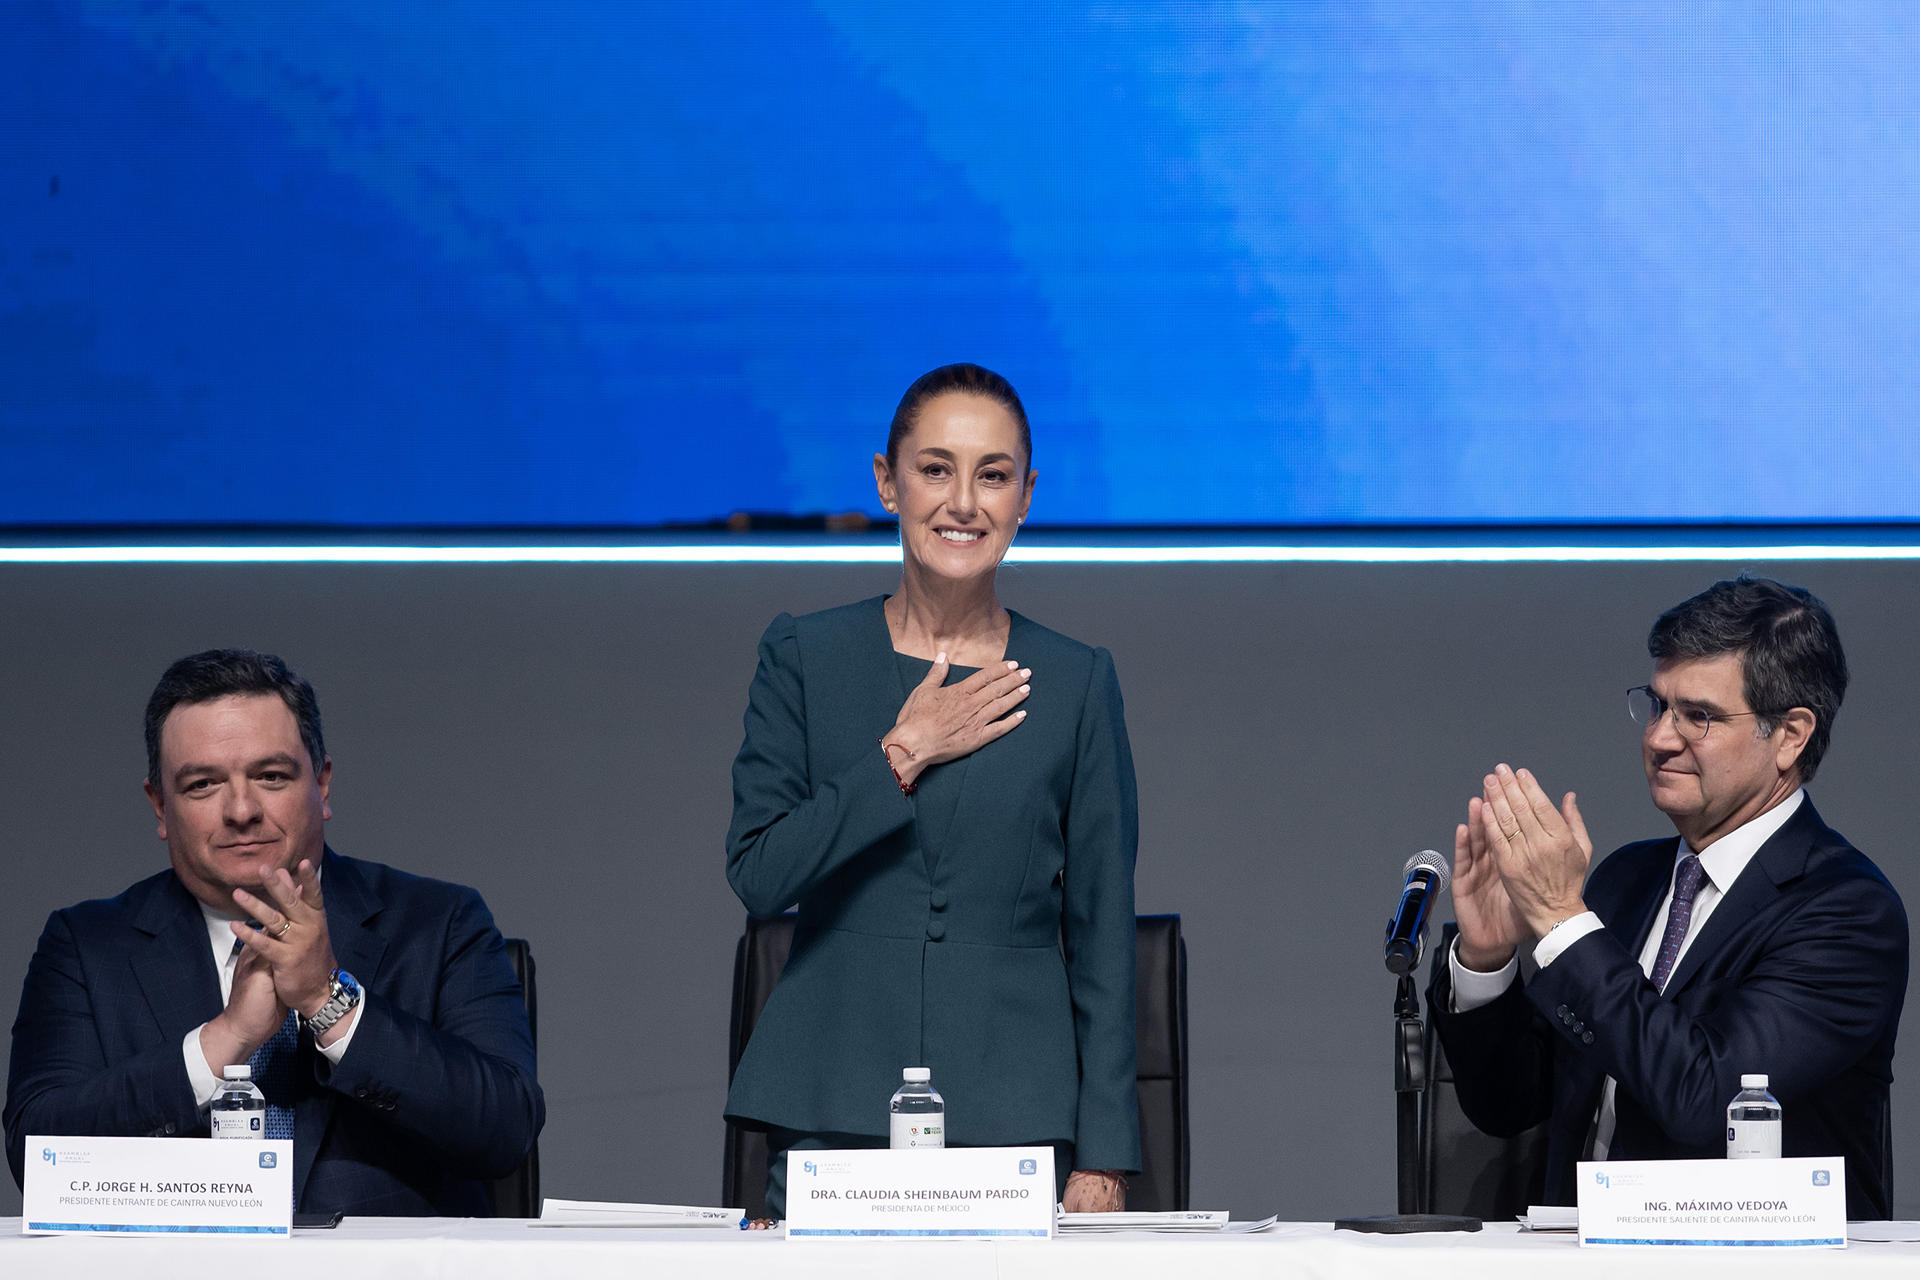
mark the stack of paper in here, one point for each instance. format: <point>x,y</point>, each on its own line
<point>1073,1224</point>
<point>1551,1217</point>
<point>606,1213</point>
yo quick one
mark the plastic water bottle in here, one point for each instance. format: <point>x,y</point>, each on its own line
<point>918,1118</point>
<point>1753,1122</point>
<point>239,1108</point>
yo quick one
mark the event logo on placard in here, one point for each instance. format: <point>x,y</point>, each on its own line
<point>1821,1178</point>
<point>1029,1166</point>
<point>816,1168</point>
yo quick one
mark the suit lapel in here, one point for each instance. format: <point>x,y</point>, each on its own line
<point>1633,916</point>
<point>351,908</point>
<point>174,944</point>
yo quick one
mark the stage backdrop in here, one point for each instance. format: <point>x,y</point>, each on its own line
<point>576,262</point>
<point>560,737</point>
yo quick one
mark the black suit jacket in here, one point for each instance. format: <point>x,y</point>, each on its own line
<point>1800,972</point>
<point>435,1094</point>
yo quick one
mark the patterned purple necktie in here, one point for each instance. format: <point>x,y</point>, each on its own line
<point>1686,882</point>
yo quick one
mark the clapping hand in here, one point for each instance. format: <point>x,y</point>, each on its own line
<point>1491,929</point>
<point>1542,851</point>
<point>253,1014</point>
<point>293,937</point>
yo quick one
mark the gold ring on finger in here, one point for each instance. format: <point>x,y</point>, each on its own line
<point>286,927</point>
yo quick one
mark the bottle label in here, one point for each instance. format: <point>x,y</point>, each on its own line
<point>239,1124</point>
<point>909,1131</point>
<point>1753,1140</point>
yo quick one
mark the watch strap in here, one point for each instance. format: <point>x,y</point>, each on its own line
<point>343,995</point>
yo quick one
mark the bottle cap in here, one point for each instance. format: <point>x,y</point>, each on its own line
<point>916,1075</point>
<point>1753,1082</point>
<point>241,1072</point>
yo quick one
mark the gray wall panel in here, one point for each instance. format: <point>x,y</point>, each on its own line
<point>559,737</point>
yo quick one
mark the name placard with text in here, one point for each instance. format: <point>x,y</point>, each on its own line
<point>158,1187</point>
<point>997,1192</point>
<point>1800,1202</point>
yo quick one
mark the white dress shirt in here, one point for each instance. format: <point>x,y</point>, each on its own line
<point>1723,861</point>
<point>202,1077</point>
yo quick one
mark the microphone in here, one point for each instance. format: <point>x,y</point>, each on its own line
<point>1427,876</point>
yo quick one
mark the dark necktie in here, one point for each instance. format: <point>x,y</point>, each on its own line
<point>272,1065</point>
<point>1686,882</point>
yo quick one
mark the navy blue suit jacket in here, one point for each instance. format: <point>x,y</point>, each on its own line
<point>435,1094</point>
<point>1800,972</point>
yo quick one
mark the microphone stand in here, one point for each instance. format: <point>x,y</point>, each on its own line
<point>1409,1090</point>
<point>1409,1084</point>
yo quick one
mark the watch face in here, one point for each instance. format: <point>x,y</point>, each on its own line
<point>343,993</point>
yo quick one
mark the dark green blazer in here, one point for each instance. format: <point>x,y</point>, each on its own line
<point>997,951</point>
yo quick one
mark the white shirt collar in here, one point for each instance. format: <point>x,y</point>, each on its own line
<point>1728,856</point>
<point>219,936</point>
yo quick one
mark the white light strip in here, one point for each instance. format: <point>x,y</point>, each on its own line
<point>871,553</point>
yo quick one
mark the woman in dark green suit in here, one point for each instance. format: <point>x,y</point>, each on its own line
<point>945,789</point>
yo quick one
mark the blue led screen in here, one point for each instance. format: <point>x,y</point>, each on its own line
<point>578,262</point>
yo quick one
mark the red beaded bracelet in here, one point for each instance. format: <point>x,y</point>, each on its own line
<point>886,750</point>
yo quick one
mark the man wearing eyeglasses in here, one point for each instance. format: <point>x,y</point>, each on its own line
<point>1758,941</point>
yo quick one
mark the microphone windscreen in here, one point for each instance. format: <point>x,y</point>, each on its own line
<point>1428,860</point>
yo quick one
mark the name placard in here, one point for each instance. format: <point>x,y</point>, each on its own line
<point>1800,1202</point>
<point>956,1191</point>
<point>158,1187</point>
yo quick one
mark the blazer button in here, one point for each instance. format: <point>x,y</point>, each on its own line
<point>1586,1037</point>
<point>1566,1016</point>
<point>939,900</point>
<point>936,930</point>
<point>1562,1013</point>
<point>170,1126</point>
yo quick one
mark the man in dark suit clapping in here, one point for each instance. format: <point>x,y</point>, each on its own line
<point>377,1009</point>
<point>1758,941</point>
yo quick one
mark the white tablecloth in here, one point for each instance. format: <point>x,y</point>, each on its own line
<point>479,1249</point>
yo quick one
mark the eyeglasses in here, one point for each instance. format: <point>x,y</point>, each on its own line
<point>1647,707</point>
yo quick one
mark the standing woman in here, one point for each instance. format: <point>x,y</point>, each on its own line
<point>945,789</point>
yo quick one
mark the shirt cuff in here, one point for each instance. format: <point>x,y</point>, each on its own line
<point>1472,988</point>
<point>1564,935</point>
<point>200,1077</point>
<point>204,1083</point>
<point>338,1049</point>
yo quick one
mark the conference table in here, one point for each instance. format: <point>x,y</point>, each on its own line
<point>510,1249</point>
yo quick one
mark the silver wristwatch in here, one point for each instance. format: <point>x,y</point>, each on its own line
<point>343,994</point>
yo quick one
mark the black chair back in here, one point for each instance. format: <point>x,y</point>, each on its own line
<point>1160,1031</point>
<point>1160,1034</point>
<point>1464,1171</point>
<point>517,1195</point>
